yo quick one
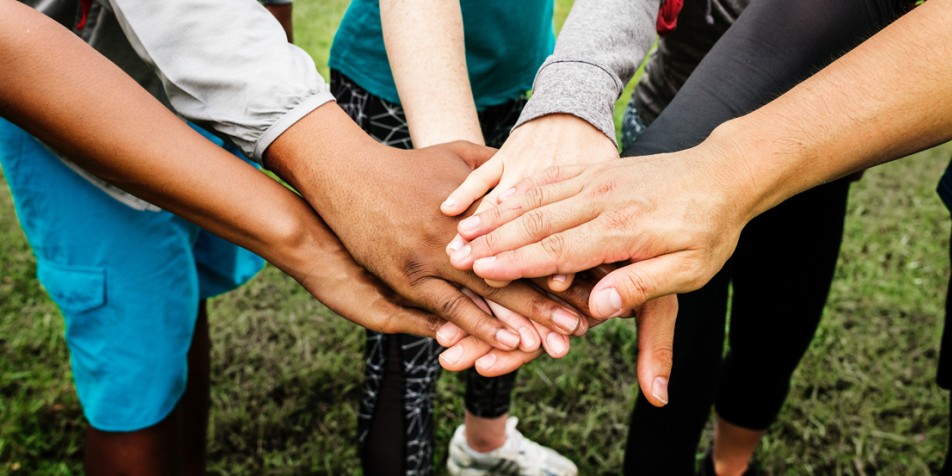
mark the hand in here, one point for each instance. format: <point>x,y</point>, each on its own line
<point>669,214</point>
<point>332,276</point>
<point>383,205</point>
<point>555,139</point>
<point>655,322</point>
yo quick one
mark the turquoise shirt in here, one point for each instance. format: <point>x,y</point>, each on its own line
<point>506,42</point>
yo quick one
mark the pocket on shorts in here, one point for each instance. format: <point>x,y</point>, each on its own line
<point>75,289</point>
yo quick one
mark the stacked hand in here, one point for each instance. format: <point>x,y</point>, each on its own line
<point>650,216</point>
<point>382,204</point>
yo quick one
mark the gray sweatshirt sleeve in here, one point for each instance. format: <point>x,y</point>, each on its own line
<point>598,51</point>
<point>225,64</point>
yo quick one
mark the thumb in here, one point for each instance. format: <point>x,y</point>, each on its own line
<point>476,185</point>
<point>632,286</point>
<point>655,347</point>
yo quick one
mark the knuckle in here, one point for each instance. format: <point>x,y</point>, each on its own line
<point>617,220</point>
<point>552,174</point>
<point>534,224</point>
<point>636,287</point>
<point>605,188</point>
<point>534,197</point>
<point>452,306</point>
<point>553,245</point>
<point>433,323</point>
<point>415,272</point>
<point>489,242</point>
<point>662,354</point>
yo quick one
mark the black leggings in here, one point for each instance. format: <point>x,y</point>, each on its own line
<point>784,262</point>
<point>395,422</point>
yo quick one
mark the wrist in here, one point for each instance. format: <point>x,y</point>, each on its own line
<point>321,151</point>
<point>733,168</point>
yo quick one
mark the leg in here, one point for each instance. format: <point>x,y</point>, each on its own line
<point>487,409</point>
<point>784,267</point>
<point>944,372</point>
<point>196,400</point>
<point>400,386</point>
<point>742,72</point>
<point>174,446</point>
<point>127,284</point>
<point>381,423</point>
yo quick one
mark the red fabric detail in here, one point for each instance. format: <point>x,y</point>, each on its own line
<point>668,16</point>
<point>84,6</point>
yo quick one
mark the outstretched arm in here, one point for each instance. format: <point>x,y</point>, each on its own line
<point>231,69</point>
<point>678,215</point>
<point>60,90</point>
<point>569,118</point>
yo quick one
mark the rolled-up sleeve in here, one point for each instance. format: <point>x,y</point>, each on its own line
<point>225,64</point>
<point>598,51</point>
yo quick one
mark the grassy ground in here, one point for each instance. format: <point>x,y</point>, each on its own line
<point>286,372</point>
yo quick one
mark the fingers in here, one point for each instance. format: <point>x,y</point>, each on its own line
<point>451,304</point>
<point>497,363</point>
<point>477,184</point>
<point>529,194</point>
<point>571,251</point>
<point>395,319</point>
<point>560,282</point>
<point>524,300</point>
<point>555,344</point>
<point>529,339</point>
<point>448,334</point>
<point>655,347</point>
<point>633,285</point>
<point>464,354</point>
<point>489,362</point>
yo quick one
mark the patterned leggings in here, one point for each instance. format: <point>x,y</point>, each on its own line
<point>395,422</point>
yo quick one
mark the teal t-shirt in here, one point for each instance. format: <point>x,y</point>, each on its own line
<point>506,42</point>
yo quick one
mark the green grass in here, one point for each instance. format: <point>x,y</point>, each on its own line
<point>287,372</point>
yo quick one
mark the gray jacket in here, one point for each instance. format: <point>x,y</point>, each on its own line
<point>601,46</point>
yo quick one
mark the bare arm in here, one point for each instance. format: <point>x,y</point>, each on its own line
<point>424,40</point>
<point>59,89</point>
<point>889,97</point>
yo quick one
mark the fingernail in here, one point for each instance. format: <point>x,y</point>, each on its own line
<point>527,337</point>
<point>659,389</point>
<point>469,224</point>
<point>456,244</point>
<point>506,194</point>
<point>556,344</point>
<point>566,321</point>
<point>507,338</point>
<point>449,203</point>
<point>452,355</point>
<point>445,335</point>
<point>462,253</point>
<point>608,302</point>
<point>559,278</point>
<point>486,362</point>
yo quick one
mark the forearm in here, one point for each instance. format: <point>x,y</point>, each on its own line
<point>887,98</point>
<point>103,127</point>
<point>425,45</point>
<point>598,51</point>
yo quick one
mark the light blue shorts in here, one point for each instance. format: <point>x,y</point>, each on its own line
<point>128,283</point>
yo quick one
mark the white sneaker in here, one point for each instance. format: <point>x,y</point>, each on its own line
<point>519,456</point>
